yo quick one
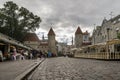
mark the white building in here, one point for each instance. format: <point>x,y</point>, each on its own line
<point>107,31</point>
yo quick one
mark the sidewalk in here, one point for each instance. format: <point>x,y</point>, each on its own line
<point>11,69</point>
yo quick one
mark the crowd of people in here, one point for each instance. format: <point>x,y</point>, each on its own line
<point>32,54</point>
<point>46,54</point>
<point>22,54</point>
<point>18,54</point>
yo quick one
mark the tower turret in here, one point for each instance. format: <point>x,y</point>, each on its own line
<point>78,37</point>
<point>52,42</point>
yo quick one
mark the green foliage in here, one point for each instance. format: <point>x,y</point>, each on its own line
<point>16,21</point>
<point>118,35</point>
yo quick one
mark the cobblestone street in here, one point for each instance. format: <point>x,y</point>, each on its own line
<point>64,68</point>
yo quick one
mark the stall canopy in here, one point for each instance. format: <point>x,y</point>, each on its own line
<point>2,43</point>
<point>7,39</point>
<point>115,41</point>
<point>73,49</point>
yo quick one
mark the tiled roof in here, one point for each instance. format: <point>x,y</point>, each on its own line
<point>51,32</point>
<point>78,31</point>
<point>85,33</point>
<point>86,43</point>
<point>43,44</point>
<point>31,37</point>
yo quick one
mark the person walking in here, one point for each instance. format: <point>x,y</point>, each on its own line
<point>14,54</point>
<point>22,55</point>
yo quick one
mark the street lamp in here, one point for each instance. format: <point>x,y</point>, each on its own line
<point>108,29</point>
<point>94,37</point>
<point>108,55</point>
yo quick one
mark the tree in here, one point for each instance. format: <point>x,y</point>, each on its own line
<point>17,21</point>
<point>118,35</point>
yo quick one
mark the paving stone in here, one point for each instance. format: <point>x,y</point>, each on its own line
<point>9,70</point>
<point>64,68</point>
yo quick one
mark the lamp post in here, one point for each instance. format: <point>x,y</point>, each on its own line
<point>108,33</point>
<point>108,55</point>
<point>94,39</point>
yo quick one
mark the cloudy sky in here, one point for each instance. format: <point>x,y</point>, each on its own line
<point>66,15</point>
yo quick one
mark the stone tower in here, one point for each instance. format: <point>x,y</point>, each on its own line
<point>52,42</point>
<point>78,37</point>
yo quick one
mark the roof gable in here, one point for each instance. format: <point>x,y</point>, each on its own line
<point>78,31</point>
<point>31,37</point>
<point>85,33</point>
<point>51,32</point>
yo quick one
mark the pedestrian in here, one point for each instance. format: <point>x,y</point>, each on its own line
<point>31,56</point>
<point>49,54</point>
<point>40,54</point>
<point>14,54</point>
<point>22,55</point>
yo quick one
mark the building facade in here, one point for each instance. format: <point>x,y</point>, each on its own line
<point>32,40</point>
<point>52,42</point>
<point>108,31</point>
<point>78,38</point>
<point>43,45</point>
<point>81,38</point>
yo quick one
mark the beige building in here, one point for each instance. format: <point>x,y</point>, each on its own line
<point>32,40</point>
<point>78,38</point>
<point>52,42</point>
<point>43,45</point>
<point>81,38</point>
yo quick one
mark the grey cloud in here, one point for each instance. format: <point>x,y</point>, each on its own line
<point>70,13</point>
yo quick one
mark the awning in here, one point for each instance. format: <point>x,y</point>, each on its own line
<point>79,49</point>
<point>7,39</point>
<point>98,45</point>
<point>2,44</point>
<point>73,49</point>
<point>101,44</point>
<point>115,41</point>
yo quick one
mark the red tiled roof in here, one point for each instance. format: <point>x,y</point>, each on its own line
<point>86,43</point>
<point>31,37</point>
<point>85,33</point>
<point>43,44</point>
<point>78,31</point>
<point>51,32</point>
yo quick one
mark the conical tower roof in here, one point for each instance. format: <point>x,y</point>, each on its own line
<point>51,32</point>
<point>78,31</point>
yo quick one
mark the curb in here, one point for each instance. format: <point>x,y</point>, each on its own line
<point>97,59</point>
<point>25,74</point>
